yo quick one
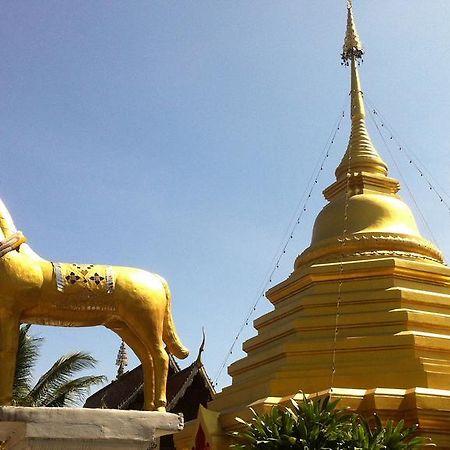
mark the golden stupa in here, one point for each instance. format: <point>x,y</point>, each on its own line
<point>365,315</point>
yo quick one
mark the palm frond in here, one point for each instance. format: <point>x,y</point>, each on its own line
<point>57,386</point>
<point>27,354</point>
<point>73,392</point>
<point>60,373</point>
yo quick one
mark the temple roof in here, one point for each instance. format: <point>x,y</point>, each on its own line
<point>127,391</point>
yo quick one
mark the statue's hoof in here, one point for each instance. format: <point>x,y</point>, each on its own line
<point>161,409</point>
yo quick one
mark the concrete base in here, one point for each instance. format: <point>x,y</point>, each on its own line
<point>77,429</point>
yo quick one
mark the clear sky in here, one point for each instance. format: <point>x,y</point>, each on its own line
<point>179,137</point>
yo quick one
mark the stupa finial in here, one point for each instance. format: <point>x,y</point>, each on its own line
<point>353,48</point>
<point>361,154</point>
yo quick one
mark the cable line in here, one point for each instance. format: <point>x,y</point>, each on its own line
<point>288,236</point>
<point>403,179</point>
<point>341,272</point>
<point>412,158</point>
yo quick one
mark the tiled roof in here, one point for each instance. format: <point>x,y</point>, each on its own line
<point>127,391</point>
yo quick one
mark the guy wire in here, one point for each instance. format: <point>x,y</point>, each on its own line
<point>404,181</point>
<point>412,158</point>
<point>341,273</point>
<point>295,221</point>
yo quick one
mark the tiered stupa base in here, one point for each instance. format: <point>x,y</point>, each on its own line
<point>390,354</point>
<point>392,318</point>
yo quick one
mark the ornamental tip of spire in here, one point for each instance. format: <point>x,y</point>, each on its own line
<point>353,48</point>
<point>361,155</point>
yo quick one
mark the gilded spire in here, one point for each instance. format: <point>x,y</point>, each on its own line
<point>361,155</point>
<point>364,216</point>
<point>353,47</point>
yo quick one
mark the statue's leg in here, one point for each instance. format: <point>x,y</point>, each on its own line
<point>147,364</point>
<point>150,334</point>
<point>9,341</point>
<point>161,368</point>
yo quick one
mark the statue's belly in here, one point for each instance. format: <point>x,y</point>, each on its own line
<point>62,320</point>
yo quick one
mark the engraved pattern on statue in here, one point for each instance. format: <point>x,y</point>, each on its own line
<point>82,282</point>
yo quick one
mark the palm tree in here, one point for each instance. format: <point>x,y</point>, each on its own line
<point>56,387</point>
<point>317,424</point>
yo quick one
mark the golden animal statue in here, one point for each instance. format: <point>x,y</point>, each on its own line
<point>133,303</point>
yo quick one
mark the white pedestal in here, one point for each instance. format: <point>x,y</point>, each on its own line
<point>82,429</point>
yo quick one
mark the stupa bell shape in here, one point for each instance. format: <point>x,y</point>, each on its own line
<point>364,217</point>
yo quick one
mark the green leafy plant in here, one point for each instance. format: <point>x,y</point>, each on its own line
<point>390,436</point>
<point>318,424</point>
<point>58,386</point>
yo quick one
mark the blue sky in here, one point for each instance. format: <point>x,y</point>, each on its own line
<point>179,137</point>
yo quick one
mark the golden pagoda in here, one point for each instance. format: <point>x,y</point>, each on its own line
<point>364,316</point>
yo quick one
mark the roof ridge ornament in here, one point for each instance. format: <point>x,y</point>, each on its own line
<point>201,348</point>
<point>121,360</point>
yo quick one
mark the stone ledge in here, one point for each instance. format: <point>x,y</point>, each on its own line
<point>76,428</point>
